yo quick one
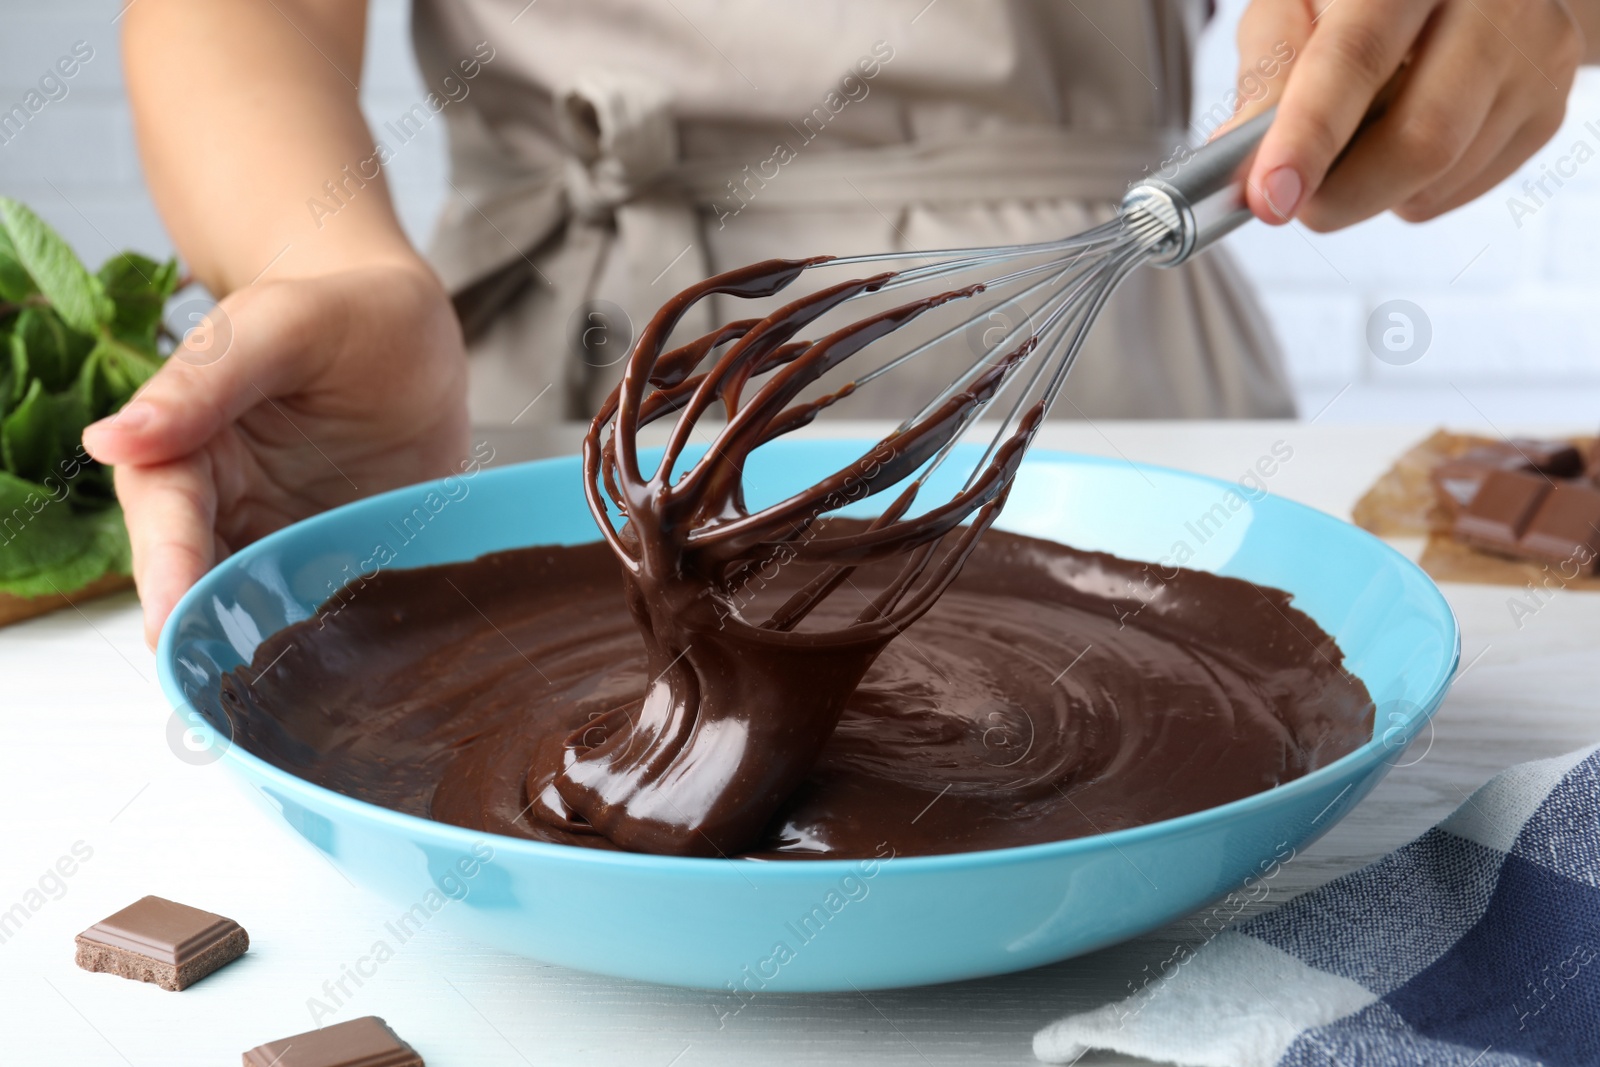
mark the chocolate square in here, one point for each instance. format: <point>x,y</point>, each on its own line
<point>364,1042</point>
<point>1559,459</point>
<point>1565,530</point>
<point>155,940</point>
<point>1456,481</point>
<point>1500,510</point>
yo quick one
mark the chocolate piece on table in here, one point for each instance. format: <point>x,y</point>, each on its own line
<point>1565,530</point>
<point>1498,513</point>
<point>1456,481</point>
<point>363,1042</point>
<point>1594,462</point>
<point>1557,458</point>
<point>161,941</point>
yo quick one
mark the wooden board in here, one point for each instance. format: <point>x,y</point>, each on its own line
<point>16,608</point>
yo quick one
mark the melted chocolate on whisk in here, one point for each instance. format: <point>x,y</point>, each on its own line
<point>739,706</point>
<point>715,682</point>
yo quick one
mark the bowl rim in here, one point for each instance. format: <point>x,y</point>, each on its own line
<point>258,771</point>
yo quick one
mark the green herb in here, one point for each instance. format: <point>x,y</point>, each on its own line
<point>74,347</point>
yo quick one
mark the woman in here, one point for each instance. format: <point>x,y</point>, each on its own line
<point>606,153</point>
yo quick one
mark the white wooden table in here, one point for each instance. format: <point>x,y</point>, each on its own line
<point>84,760</point>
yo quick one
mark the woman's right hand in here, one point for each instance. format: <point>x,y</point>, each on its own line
<point>306,393</point>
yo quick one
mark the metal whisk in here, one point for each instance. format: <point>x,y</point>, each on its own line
<point>756,370</point>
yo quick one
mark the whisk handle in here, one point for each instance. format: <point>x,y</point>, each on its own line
<point>1200,195</point>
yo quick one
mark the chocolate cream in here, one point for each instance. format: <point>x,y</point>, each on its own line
<point>708,680</point>
<point>1048,694</point>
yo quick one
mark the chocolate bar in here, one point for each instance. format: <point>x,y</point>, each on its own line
<point>364,1042</point>
<point>154,940</point>
<point>1499,511</point>
<point>1525,498</point>
<point>1565,529</point>
<point>1456,481</point>
<point>1559,459</point>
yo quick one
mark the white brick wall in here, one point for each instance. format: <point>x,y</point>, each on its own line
<point>1516,333</point>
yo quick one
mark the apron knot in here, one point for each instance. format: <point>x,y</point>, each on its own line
<point>619,128</point>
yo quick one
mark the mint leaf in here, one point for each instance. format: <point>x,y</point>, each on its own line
<point>28,439</point>
<point>37,531</point>
<point>19,379</point>
<point>15,285</point>
<point>93,387</point>
<point>51,352</point>
<point>71,416</point>
<point>47,548</point>
<point>9,373</point>
<point>78,296</point>
<point>39,436</point>
<point>74,346</point>
<point>113,372</point>
<point>139,288</point>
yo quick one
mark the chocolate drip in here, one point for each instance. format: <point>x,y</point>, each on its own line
<point>738,709</point>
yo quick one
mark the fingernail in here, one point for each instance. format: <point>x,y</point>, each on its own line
<point>131,419</point>
<point>1282,189</point>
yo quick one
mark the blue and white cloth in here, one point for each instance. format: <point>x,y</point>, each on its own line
<point>1476,945</point>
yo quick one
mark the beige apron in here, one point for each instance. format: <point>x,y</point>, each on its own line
<point>612,152</point>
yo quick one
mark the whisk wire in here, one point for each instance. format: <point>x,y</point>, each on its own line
<point>1076,306</point>
<point>1059,287</point>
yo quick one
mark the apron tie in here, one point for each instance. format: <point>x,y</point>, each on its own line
<point>620,132</point>
<point>633,212</point>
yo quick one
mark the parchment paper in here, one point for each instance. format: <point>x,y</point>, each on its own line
<point>1401,504</point>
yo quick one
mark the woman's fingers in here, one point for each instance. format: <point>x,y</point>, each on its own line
<point>1481,80</point>
<point>1271,36</point>
<point>360,371</point>
<point>1529,108</point>
<point>248,351</point>
<point>171,514</point>
<point>1503,162</point>
<point>1443,99</point>
<point>162,444</point>
<point>1355,46</point>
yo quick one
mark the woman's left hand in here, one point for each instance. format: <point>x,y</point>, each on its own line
<point>1478,87</point>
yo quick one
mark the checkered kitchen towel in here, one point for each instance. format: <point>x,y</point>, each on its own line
<point>1477,945</point>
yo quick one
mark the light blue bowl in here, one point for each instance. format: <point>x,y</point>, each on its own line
<point>743,926</point>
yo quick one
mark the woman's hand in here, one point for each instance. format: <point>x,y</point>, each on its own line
<point>1484,85</point>
<point>307,393</point>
